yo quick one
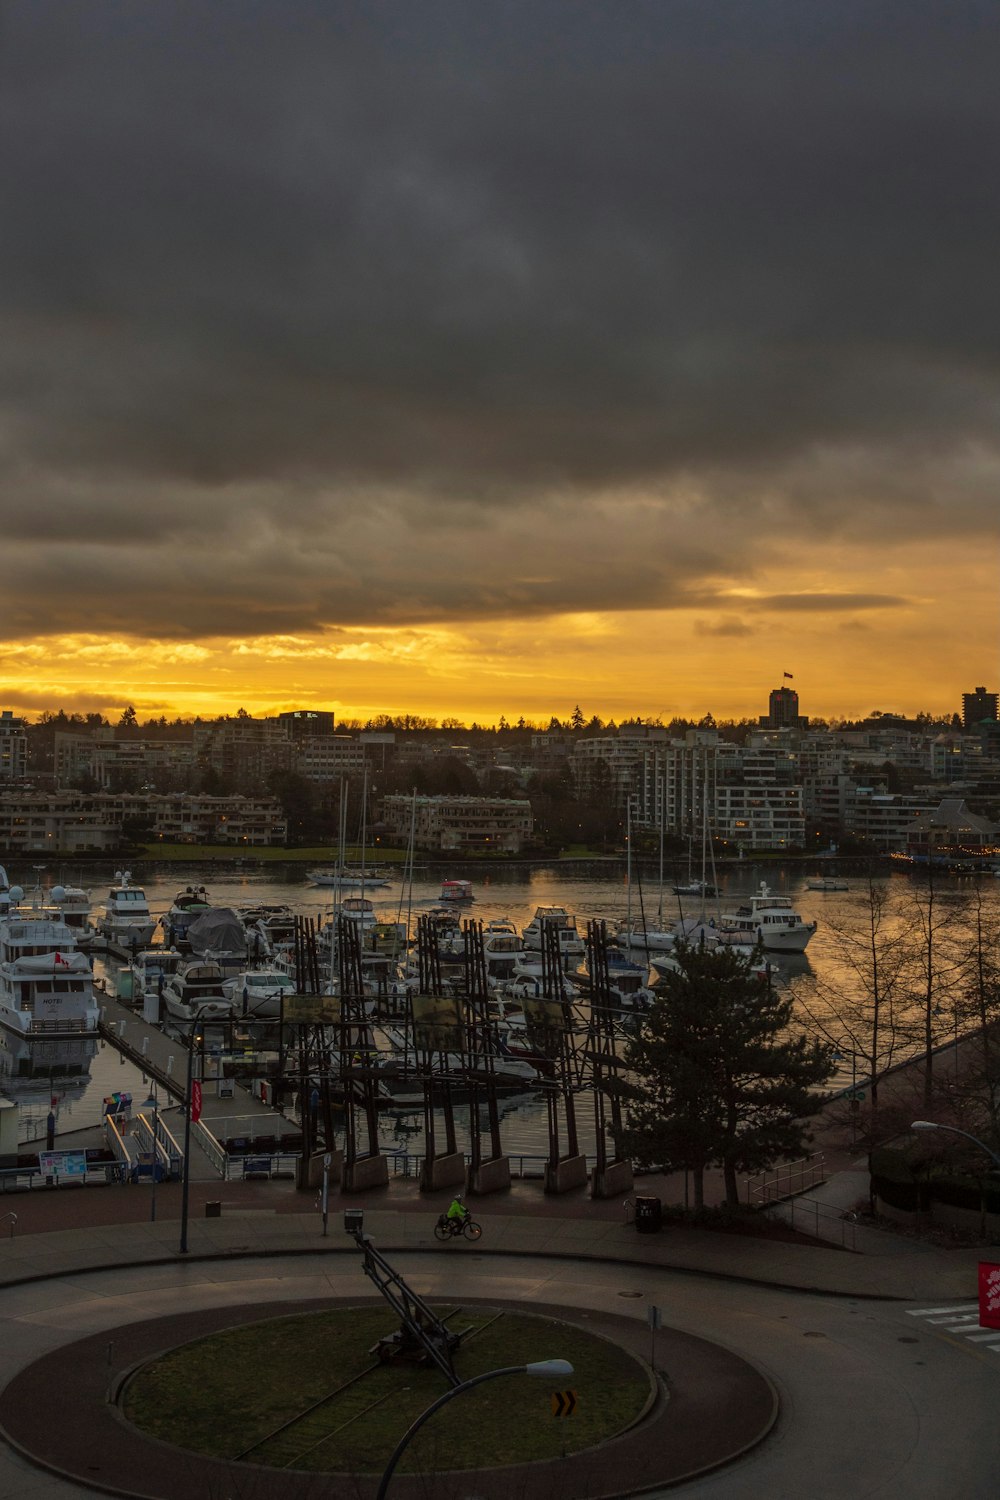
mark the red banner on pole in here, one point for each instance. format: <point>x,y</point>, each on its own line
<point>989,1294</point>
<point>195,1101</point>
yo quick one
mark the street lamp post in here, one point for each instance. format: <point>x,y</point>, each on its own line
<point>186,1166</point>
<point>153,1103</point>
<point>933,1125</point>
<point>545,1369</point>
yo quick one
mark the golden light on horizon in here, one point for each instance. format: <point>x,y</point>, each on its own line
<point>901,657</point>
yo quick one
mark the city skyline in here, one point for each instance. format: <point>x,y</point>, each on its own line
<point>470,362</point>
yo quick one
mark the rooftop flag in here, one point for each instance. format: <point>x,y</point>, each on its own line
<point>788,675</point>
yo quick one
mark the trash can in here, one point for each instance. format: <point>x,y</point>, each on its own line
<point>214,1210</point>
<point>648,1215</point>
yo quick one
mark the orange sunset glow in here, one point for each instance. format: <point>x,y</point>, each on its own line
<point>472,369</point>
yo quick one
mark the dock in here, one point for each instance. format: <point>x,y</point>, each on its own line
<point>230,1112</point>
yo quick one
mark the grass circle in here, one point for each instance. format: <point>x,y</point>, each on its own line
<point>308,1392</point>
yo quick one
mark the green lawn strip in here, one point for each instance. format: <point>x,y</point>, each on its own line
<point>320,854</point>
<point>232,1392</point>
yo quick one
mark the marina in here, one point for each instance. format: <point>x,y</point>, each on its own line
<point>508,900</point>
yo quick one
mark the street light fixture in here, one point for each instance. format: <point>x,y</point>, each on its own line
<point>153,1103</point>
<point>934,1125</point>
<point>544,1369</point>
<point>186,1166</point>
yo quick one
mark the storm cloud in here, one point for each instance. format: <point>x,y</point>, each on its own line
<point>325,314</point>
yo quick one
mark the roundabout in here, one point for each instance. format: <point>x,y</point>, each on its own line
<point>871,1402</point>
<point>699,1408</point>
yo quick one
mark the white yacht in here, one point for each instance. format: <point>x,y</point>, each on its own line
<point>73,903</point>
<point>151,968</point>
<point>46,983</point>
<point>126,918</point>
<point>257,993</point>
<point>571,944</point>
<point>769,920</point>
<point>197,990</point>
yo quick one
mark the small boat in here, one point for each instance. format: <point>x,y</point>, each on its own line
<point>457,890</point>
<point>126,918</point>
<point>827,883</point>
<point>695,888</point>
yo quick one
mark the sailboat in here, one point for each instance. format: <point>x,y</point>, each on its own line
<point>637,935</point>
<point>702,887</point>
<point>342,876</point>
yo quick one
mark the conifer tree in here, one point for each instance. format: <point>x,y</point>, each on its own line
<point>717,1080</point>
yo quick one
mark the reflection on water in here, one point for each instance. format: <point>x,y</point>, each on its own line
<point>592,890</point>
<point>70,1076</point>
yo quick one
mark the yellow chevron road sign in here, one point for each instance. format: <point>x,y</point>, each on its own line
<point>563,1403</point>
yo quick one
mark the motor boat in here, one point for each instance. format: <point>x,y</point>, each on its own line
<point>770,920</point>
<point>46,983</point>
<point>457,890</point>
<point>196,991</point>
<point>571,944</point>
<point>185,908</point>
<point>126,918</point>
<point>257,993</point>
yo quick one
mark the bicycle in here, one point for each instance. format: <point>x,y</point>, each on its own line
<point>450,1229</point>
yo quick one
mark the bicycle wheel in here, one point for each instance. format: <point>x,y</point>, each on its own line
<point>472,1230</point>
<point>442,1232</point>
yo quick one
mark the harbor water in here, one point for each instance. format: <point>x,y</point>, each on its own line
<point>598,890</point>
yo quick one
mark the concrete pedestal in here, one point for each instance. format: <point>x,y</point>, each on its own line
<point>369,1172</point>
<point>491,1176</point>
<point>442,1171</point>
<point>567,1174</point>
<point>616,1178</point>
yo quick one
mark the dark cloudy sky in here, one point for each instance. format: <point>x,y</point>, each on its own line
<point>470,355</point>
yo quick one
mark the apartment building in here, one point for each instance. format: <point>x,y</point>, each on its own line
<point>77,822</point>
<point>113,763</point>
<point>13,748</point>
<point>453,824</point>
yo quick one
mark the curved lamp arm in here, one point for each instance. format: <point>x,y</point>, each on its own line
<point>544,1369</point>
<point>933,1125</point>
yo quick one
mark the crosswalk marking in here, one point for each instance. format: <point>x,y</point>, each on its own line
<point>932,1312</point>
<point>962,1319</point>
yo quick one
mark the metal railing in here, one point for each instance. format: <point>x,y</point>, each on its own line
<point>786,1181</point>
<point>817,1219</point>
<point>211,1147</point>
<point>524,1165</point>
<point>169,1156</point>
<point>247,1168</point>
<point>125,1148</point>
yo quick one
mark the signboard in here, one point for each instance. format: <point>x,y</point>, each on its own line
<point>563,1403</point>
<point>438,1022</point>
<point>310,1010</point>
<point>118,1104</point>
<point>195,1101</point>
<point>989,1294</point>
<point>63,1163</point>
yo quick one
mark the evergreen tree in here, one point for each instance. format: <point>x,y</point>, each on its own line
<point>717,1081</point>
